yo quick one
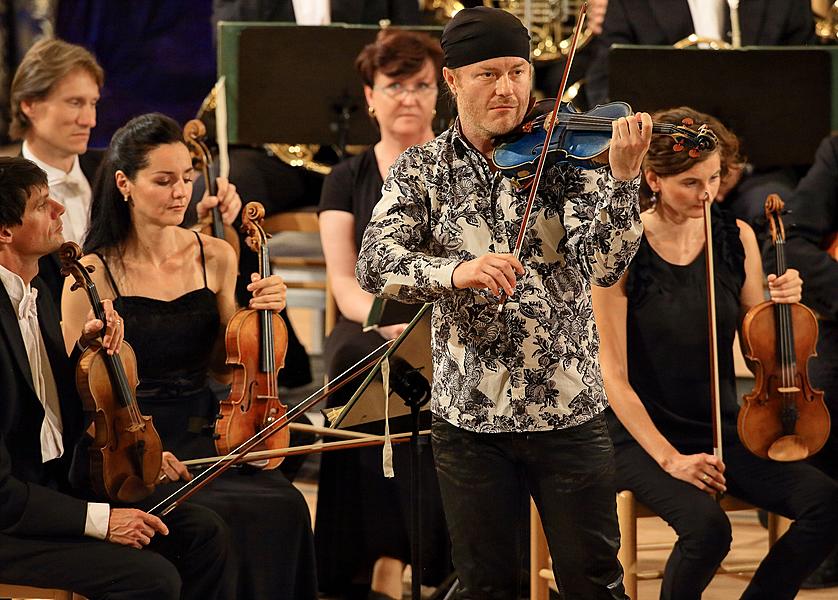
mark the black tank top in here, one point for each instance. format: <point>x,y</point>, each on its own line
<point>668,358</point>
<point>173,341</point>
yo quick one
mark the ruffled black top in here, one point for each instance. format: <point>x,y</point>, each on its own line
<point>667,338</point>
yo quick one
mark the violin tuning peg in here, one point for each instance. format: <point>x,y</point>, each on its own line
<point>687,121</point>
<point>677,147</point>
<point>694,153</point>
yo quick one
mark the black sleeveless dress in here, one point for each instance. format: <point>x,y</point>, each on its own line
<point>667,344</point>
<point>268,517</point>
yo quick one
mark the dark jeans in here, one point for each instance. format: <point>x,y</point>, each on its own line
<point>191,563</point>
<point>485,478</point>
<point>794,490</point>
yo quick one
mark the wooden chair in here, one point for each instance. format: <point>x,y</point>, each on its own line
<point>304,220</point>
<point>24,591</point>
<point>628,511</point>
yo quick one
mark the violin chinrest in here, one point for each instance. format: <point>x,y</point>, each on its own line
<point>788,448</point>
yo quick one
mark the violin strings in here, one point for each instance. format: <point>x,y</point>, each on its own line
<point>234,454</point>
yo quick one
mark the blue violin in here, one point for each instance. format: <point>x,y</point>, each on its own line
<point>580,138</point>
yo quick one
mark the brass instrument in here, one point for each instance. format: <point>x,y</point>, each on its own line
<point>826,20</point>
<point>296,155</point>
<point>551,22</point>
<point>694,40</point>
<point>299,155</point>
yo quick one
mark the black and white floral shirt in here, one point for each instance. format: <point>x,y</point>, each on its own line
<point>534,366</point>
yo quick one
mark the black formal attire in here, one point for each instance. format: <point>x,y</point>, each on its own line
<point>42,528</point>
<point>269,520</point>
<point>398,12</point>
<point>812,219</point>
<point>668,363</point>
<point>49,267</point>
<point>664,22</point>
<point>361,515</point>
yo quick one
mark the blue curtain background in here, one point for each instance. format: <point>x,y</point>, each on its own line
<point>157,55</point>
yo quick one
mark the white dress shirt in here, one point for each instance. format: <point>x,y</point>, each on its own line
<point>70,189</point>
<point>312,12</point>
<point>24,301</point>
<point>708,18</point>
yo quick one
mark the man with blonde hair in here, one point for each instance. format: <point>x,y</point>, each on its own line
<point>54,95</point>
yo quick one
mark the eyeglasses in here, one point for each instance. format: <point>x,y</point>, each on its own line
<point>397,91</point>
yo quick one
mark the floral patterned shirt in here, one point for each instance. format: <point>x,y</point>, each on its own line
<point>534,365</point>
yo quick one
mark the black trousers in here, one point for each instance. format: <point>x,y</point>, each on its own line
<point>189,563</point>
<point>794,490</point>
<point>485,479</point>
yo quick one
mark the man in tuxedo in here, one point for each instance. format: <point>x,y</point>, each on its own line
<point>53,96</point>
<point>318,12</point>
<point>664,22</point>
<point>49,538</point>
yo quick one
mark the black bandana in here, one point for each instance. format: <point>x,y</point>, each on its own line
<point>480,33</point>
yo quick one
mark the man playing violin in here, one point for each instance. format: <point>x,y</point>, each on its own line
<point>49,538</point>
<point>517,392</point>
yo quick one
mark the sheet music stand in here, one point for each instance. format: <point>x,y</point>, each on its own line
<point>777,100</point>
<point>298,84</point>
<point>410,384</point>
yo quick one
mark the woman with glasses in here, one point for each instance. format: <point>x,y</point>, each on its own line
<point>361,533</point>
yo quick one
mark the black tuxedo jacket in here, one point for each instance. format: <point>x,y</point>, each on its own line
<point>399,12</point>
<point>664,22</point>
<point>49,267</point>
<point>30,503</point>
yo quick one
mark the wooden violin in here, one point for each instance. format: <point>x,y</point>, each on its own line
<point>126,453</point>
<point>579,138</point>
<point>256,343</point>
<point>194,133</point>
<point>783,418</point>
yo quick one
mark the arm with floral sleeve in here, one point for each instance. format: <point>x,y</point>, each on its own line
<point>601,216</point>
<point>399,258</point>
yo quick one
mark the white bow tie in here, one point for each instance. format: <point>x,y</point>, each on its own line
<point>28,307</point>
<point>69,181</point>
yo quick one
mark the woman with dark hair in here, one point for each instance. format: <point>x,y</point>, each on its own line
<point>655,365</point>
<point>175,289</point>
<point>362,518</point>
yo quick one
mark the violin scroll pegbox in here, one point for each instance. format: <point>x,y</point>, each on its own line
<point>702,139</point>
<point>252,217</point>
<point>70,254</point>
<point>774,207</point>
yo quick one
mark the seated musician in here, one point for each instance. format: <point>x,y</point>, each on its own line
<point>356,504</point>
<point>655,363</point>
<point>812,247</point>
<point>54,95</point>
<point>175,291</point>
<point>49,538</point>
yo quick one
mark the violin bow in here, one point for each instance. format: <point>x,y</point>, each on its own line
<point>551,124</point>
<point>238,455</point>
<point>712,333</point>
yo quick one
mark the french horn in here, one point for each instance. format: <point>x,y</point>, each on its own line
<point>551,22</point>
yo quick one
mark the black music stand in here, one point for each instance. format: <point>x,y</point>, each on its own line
<point>298,84</point>
<point>777,100</point>
<point>410,390</point>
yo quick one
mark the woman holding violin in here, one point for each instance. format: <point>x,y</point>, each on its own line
<point>174,289</point>
<point>400,71</point>
<point>655,360</point>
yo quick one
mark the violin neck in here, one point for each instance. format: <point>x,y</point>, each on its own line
<point>784,331</point>
<point>267,350</point>
<point>113,364</point>
<point>212,190</point>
